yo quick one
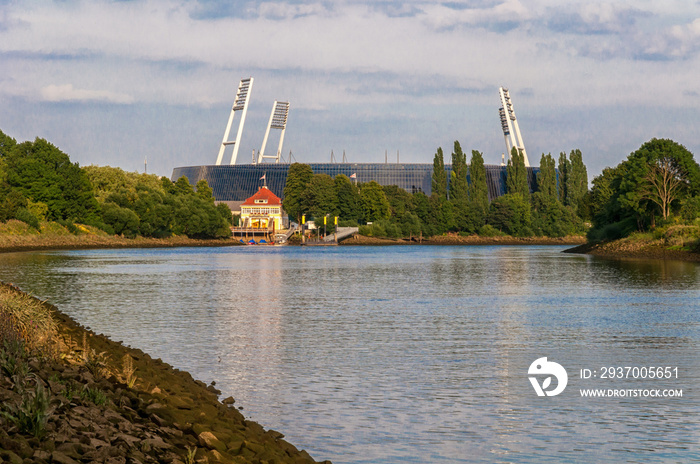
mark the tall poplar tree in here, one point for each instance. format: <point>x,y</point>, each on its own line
<point>547,179</point>
<point>577,179</point>
<point>516,181</point>
<point>439,181</point>
<point>458,179</point>
<point>478,189</point>
<point>563,184</point>
<point>478,204</point>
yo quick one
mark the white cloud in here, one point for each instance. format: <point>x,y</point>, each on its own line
<point>66,92</point>
<point>357,64</point>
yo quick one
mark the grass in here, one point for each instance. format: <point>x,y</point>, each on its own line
<point>27,329</point>
<point>32,414</point>
<point>128,371</point>
<point>24,319</point>
<point>95,362</point>
<point>95,395</point>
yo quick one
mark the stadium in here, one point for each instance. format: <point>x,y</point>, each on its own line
<point>233,183</point>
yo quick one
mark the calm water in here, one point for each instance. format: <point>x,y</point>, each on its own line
<point>407,354</point>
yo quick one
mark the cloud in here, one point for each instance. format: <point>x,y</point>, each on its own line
<point>66,93</point>
<point>428,69</point>
<point>678,42</point>
<point>500,16</point>
<point>595,18</point>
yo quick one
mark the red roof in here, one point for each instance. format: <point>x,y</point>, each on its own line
<point>263,193</point>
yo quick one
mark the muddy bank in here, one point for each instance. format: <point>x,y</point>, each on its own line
<point>454,239</point>
<point>626,248</point>
<point>108,403</point>
<point>12,243</point>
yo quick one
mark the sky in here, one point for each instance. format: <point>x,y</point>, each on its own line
<point>119,82</point>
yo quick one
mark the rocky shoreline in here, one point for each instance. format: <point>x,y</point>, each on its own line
<point>629,249</point>
<point>105,402</point>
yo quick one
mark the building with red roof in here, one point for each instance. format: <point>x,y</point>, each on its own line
<point>262,211</point>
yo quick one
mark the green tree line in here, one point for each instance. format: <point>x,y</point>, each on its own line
<point>656,186</point>
<point>38,182</point>
<point>458,202</point>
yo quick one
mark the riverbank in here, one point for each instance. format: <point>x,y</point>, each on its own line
<point>631,248</point>
<point>68,395</point>
<point>18,236</point>
<point>455,239</point>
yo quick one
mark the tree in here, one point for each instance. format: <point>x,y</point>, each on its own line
<point>298,177</point>
<point>604,207</point>
<point>564,168</point>
<point>106,180</point>
<point>510,213</point>
<point>43,173</point>
<point>183,186</point>
<point>672,174</point>
<point>516,180</point>
<point>400,201</point>
<point>439,179</point>
<point>204,191</point>
<point>547,179</point>
<point>657,178</point>
<point>577,180</point>
<point>122,220</point>
<point>7,144</point>
<point>478,189</point>
<point>375,206</point>
<point>421,207</point>
<point>458,176</point>
<point>546,208</point>
<point>348,197</point>
<point>659,173</point>
<point>319,197</point>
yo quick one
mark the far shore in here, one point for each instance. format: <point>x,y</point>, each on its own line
<point>456,239</point>
<point>37,242</point>
<point>635,249</point>
<point>623,248</point>
<point>18,243</point>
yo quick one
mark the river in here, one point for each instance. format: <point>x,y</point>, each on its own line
<point>411,354</point>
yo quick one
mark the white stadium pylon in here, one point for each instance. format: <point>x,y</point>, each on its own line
<point>510,127</point>
<point>240,104</point>
<point>278,120</point>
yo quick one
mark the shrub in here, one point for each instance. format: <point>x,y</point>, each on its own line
<point>690,209</point>
<point>28,218</point>
<point>488,230</point>
<point>613,231</point>
<point>69,225</point>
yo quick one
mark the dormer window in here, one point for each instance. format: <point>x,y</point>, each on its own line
<point>261,201</point>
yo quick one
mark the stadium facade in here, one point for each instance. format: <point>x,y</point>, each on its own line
<point>233,183</point>
<point>236,182</point>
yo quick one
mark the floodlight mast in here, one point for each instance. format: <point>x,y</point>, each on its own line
<point>239,104</point>
<point>509,124</point>
<point>278,120</point>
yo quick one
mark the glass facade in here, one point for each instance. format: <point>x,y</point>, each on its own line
<point>240,181</point>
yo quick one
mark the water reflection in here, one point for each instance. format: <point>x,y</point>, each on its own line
<point>406,354</point>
